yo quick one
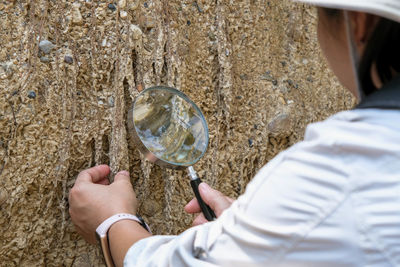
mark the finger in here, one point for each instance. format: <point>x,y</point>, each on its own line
<point>122,176</point>
<point>217,201</point>
<point>193,206</point>
<point>200,219</point>
<point>94,174</point>
<point>104,181</point>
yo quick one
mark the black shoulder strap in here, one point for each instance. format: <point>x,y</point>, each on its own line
<point>386,98</point>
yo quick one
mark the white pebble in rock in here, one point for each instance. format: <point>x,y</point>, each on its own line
<point>281,123</point>
<point>76,14</point>
<point>136,32</point>
<point>123,14</point>
<point>133,5</point>
<point>46,46</point>
<point>6,70</point>
<point>122,4</point>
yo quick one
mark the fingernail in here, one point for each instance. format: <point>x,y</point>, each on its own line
<point>186,206</point>
<point>125,173</point>
<point>204,187</point>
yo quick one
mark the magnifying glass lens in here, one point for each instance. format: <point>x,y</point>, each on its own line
<point>170,126</point>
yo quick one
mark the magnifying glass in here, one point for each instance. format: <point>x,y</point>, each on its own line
<point>171,131</point>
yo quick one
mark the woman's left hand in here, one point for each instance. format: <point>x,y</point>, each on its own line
<point>92,199</point>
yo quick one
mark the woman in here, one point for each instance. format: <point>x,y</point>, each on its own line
<point>331,200</point>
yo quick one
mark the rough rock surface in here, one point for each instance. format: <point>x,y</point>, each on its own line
<point>252,66</point>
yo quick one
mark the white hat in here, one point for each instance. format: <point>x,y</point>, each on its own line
<point>385,8</point>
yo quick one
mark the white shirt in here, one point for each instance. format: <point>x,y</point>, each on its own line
<point>330,200</point>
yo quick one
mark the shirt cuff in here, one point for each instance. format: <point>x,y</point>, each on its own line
<point>134,254</point>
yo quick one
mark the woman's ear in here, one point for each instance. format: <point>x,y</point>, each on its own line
<point>363,25</point>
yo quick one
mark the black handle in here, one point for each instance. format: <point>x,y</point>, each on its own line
<point>207,211</point>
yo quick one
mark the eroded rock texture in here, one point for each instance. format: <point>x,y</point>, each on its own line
<point>69,71</point>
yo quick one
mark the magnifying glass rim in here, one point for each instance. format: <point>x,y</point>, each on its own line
<point>147,152</point>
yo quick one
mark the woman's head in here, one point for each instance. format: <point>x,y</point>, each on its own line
<point>374,45</point>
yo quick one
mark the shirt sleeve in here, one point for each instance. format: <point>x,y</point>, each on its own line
<point>289,198</point>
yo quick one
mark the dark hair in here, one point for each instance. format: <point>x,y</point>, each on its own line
<point>383,49</point>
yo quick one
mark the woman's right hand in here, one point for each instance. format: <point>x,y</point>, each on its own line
<point>217,201</point>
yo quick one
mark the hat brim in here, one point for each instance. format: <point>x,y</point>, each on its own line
<point>384,8</point>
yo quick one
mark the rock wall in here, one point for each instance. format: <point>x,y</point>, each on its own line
<point>69,71</point>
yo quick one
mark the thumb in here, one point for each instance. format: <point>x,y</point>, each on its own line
<point>217,201</point>
<point>122,176</point>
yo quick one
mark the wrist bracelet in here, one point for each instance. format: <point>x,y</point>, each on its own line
<point>102,233</point>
